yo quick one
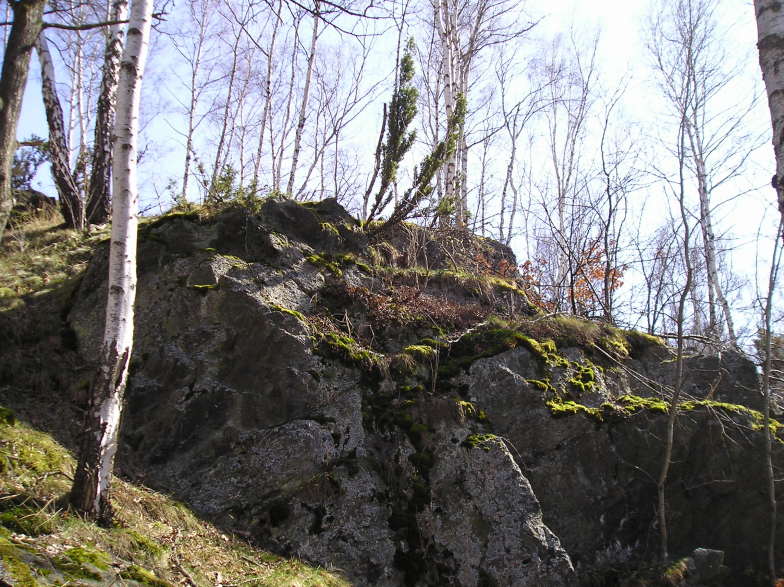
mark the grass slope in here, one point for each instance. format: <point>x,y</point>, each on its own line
<point>154,541</point>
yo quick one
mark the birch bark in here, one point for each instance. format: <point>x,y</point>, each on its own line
<point>71,201</point>
<point>99,196</point>
<point>770,42</point>
<point>90,492</point>
<point>303,110</point>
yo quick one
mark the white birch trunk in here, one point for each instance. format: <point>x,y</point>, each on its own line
<point>446,34</point>
<point>99,198</point>
<point>90,493</point>
<point>304,106</point>
<point>267,94</point>
<point>770,35</point>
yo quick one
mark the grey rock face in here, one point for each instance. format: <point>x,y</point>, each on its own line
<point>230,410</point>
<point>393,477</point>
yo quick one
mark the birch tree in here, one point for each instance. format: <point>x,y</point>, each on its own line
<point>90,492</point>
<point>695,76</point>
<point>71,199</point>
<point>26,26</point>
<point>99,196</point>
<point>770,43</point>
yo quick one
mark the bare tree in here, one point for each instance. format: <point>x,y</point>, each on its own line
<point>767,390</point>
<point>695,74</point>
<point>99,195</point>
<point>72,202</point>
<point>673,406</point>
<point>303,109</point>
<point>464,30</point>
<point>90,492</point>
<point>28,15</point>
<point>770,34</point>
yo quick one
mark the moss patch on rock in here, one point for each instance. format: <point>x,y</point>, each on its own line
<point>559,408</point>
<point>484,441</point>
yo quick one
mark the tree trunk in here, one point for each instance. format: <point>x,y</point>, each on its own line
<point>71,200</point>
<point>304,106</point>
<point>672,412</point>
<point>217,167</point>
<point>90,492</point>
<point>767,368</point>
<point>770,42</point>
<point>267,94</point>
<point>16,63</point>
<point>99,196</point>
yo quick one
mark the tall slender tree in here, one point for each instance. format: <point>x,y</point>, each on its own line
<point>28,15</point>
<point>99,195</point>
<point>90,492</point>
<point>770,43</point>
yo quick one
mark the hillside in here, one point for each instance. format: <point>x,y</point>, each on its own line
<point>392,405</point>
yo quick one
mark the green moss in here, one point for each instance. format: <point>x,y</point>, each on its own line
<point>483,441</point>
<point>545,350</point>
<point>236,260</point>
<point>757,418</point>
<point>585,378</point>
<point>143,576</point>
<point>330,228</point>
<point>639,342</point>
<point>634,403</point>
<point>675,574</point>
<point>421,352</point>
<point>147,546</point>
<point>615,343</point>
<point>476,345</point>
<point>27,520</point>
<point>19,571</point>
<point>323,262</point>
<point>560,408</point>
<point>81,563</point>
<point>349,350</point>
<point>436,344</point>
<point>468,410</point>
<point>542,385</point>
<point>202,287</point>
<point>335,263</point>
<point>298,315</point>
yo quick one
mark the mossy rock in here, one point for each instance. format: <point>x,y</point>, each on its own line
<point>560,408</point>
<point>349,350</point>
<point>484,441</point>
<point>82,563</point>
<point>143,576</point>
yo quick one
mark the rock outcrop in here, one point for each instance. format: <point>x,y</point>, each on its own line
<point>354,405</point>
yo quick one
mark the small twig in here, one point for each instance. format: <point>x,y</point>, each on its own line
<point>183,572</point>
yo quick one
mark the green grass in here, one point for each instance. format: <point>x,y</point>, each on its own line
<point>38,257</point>
<point>155,540</point>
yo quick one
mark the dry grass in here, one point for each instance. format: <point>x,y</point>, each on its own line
<point>152,532</point>
<point>37,257</point>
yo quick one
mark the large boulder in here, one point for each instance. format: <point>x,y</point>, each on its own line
<point>515,466</point>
